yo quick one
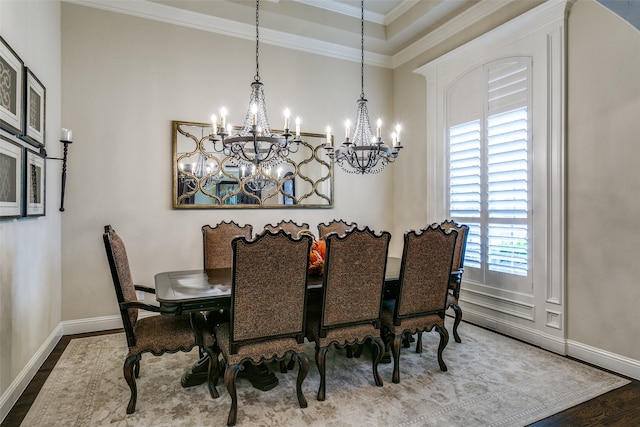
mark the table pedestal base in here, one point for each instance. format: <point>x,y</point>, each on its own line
<point>259,376</point>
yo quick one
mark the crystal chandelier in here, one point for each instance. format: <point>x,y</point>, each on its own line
<point>255,145</point>
<point>363,153</point>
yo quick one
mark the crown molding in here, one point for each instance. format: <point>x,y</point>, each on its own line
<point>162,13</point>
<point>345,9</point>
<point>469,17</point>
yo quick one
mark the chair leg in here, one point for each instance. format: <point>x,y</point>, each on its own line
<point>444,339</point>
<point>349,352</point>
<point>230,374</point>
<point>358,352</point>
<point>212,373</point>
<point>129,366</point>
<point>419,343</point>
<point>321,355</point>
<point>395,351</point>
<point>458,311</point>
<point>283,366</point>
<point>378,349</point>
<point>136,369</point>
<point>303,370</point>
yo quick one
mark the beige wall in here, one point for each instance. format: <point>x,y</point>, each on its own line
<point>124,80</point>
<point>603,178</point>
<point>603,201</point>
<point>30,268</point>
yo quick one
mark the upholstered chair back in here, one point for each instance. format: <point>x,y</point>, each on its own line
<point>217,242</point>
<point>122,279</point>
<point>336,226</point>
<point>269,287</point>
<point>289,226</point>
<point>354,274</point>
<point>461,242</point>
<point>424,275</point>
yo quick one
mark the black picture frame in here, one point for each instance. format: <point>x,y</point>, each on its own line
<point>34,189</point>
<point>11,89</point>
<point>11,178</point>
<point>34,105</point>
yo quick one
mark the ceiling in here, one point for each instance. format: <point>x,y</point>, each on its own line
<point>390,25</point>
<point>329,27</point>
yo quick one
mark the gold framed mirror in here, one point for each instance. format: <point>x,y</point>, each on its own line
<point>206,179</point>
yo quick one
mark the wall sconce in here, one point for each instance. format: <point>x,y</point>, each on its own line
<point>66,138</point>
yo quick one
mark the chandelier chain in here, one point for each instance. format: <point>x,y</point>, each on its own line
<point>362,50</point>
<point>257,76</point>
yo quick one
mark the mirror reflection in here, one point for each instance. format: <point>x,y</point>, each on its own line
<point>206,179</point>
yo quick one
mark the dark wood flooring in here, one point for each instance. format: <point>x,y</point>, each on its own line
<point>619,407</point>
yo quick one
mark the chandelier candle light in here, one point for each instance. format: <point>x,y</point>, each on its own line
<point>255,146</point>
<point>363,153</point>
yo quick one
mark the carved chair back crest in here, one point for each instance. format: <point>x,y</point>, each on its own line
<point>354,275</point>
<point>269,287</point>
<point>290,227</point>
<point>336,226</point>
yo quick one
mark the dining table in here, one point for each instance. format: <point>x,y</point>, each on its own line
<point>190,291</point>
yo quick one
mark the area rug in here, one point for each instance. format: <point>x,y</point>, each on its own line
<point>492,380</point>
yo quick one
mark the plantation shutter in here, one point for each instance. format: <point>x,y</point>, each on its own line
<point>489,172</point>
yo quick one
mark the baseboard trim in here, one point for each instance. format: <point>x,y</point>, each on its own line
<point>97,324</point>
<point>93,324</point>
<point>18,386</point>
<point>607,360</point>
<point>532,336</point>
<point>595,356</point>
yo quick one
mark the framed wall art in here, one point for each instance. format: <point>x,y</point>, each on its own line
<point>34,108</point>
<point>10,178</point>
<point>34,183</point>
<point>11,89</point>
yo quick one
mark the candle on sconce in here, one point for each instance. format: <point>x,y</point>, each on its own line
<point>214,124</point>
<point>254,114</point>
<point>394,139</point>
<point>379,126</point>
<point>286,118</point>
<point>329,142</point>
<point>347,131</point>
<point>297,126</point>
<point>66,135</point>
<point>398,133</point>
<point>223,117</point>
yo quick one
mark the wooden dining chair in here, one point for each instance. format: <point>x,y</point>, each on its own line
<point>154,334</point>
<point>268,303</point>
<point>217,242</point>
<point>289,226</point>
<point>353,286</point>
<point>422,291</point>
<point>457,268</point>
<point>335,226</point>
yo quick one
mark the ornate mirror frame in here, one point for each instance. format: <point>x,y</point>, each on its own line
<point>206,179</point>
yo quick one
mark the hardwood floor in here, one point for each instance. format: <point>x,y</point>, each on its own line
<point>620,407</point>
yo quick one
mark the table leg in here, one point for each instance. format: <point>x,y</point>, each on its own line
<point>259,375</point>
